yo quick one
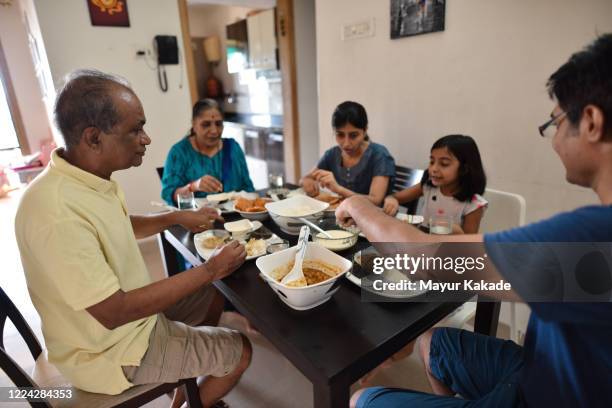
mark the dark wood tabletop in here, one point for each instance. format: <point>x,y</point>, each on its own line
<point>334,344</point>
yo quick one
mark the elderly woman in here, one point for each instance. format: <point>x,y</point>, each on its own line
<point>356,165</point>
<point>203,162</point>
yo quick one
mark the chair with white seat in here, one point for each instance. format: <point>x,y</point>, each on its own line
<point>45,375</point>
<point>505,211</point>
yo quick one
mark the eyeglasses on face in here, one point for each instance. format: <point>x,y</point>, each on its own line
<point>549,128</point>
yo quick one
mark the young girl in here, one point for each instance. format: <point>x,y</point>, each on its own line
<point>451,186</point>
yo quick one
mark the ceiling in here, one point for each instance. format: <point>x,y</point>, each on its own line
<point>241,3</point>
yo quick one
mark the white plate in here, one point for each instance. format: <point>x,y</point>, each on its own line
<point>225,207</point>
<point>409,218</point>
<point>205,253</point>
<point>217,198</point>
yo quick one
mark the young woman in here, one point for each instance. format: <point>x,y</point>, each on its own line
<point>356,165</point>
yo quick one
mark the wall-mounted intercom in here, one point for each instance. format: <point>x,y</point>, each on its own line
<point>167,49</point>
<point>167,54</point>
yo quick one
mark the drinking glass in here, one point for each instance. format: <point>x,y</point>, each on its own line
<point>186,200</point>
<point>441,225</point>
<point>276,180</point>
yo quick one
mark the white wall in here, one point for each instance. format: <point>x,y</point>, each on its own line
<point>15,36</point>
<point>72,42</point>
<point>484,76</point>
<point>307,92</point>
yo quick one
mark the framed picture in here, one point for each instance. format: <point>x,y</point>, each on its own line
<point>413,17</point>
<point>112,13</point>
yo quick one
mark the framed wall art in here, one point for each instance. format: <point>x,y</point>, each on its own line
<point>414,17</point>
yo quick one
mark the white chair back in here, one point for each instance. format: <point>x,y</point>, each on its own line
<point>505,211</point>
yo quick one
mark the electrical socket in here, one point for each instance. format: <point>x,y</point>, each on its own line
<point>360,29</point>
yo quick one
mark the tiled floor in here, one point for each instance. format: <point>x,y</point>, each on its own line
<point>270,382</point>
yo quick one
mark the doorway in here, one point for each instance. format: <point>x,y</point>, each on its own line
<point>261,100</point>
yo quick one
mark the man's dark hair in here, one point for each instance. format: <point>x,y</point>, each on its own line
<point>586,79</point>
<point>85,101</point>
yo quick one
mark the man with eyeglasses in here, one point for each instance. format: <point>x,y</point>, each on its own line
<point>567,357</point>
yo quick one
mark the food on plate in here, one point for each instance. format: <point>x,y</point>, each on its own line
<point>213,242</point>
<point>315,271</point>
<point>299,211</point>
<point>246,205</point>
<point>333,200</point>
<point>255,247</point>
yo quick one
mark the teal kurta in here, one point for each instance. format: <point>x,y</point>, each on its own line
<point>184,165</point>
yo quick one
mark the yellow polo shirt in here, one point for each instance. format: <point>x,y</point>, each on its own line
<point>77,248</point>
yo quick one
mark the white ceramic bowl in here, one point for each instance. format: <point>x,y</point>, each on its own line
<point>286,213</point>
<point>253,216</point>
<point>303,298</point>
<point>338,243</point>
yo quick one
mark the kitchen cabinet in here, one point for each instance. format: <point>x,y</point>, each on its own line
<point>237,47</point>
<point>261,29</point>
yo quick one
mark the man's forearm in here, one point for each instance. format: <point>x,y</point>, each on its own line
<point>147,225</point>
<point>125,307</point>
<point>378,227</point>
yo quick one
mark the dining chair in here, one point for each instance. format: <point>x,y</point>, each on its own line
<point>406,177</point>
<point>160,172</point>
<point>505,211</point>
<point>45,375</point>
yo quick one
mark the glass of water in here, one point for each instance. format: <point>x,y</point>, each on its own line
<point>441,225</point>
<point>186,200</point>
<point>276,180</point>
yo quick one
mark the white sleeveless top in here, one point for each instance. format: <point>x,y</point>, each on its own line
<point>436,203</point>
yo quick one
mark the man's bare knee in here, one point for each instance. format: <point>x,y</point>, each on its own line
<point>355,397</point>
<point>245,358</point>
<point>423,346</point>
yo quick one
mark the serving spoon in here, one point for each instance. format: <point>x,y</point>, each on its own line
<point>315,226</point>
<point>296,272</point>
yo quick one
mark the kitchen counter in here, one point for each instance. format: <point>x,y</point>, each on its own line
<point>255,120</point>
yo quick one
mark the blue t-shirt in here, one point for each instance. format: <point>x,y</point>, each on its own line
<point>568,346</point>
<point>184,165</point>
<point>376,161</point>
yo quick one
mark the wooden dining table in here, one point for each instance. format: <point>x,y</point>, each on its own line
<point>336,343</point>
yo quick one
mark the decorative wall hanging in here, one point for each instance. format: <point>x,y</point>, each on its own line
<point>413,17</point>
<point>108,13</point>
